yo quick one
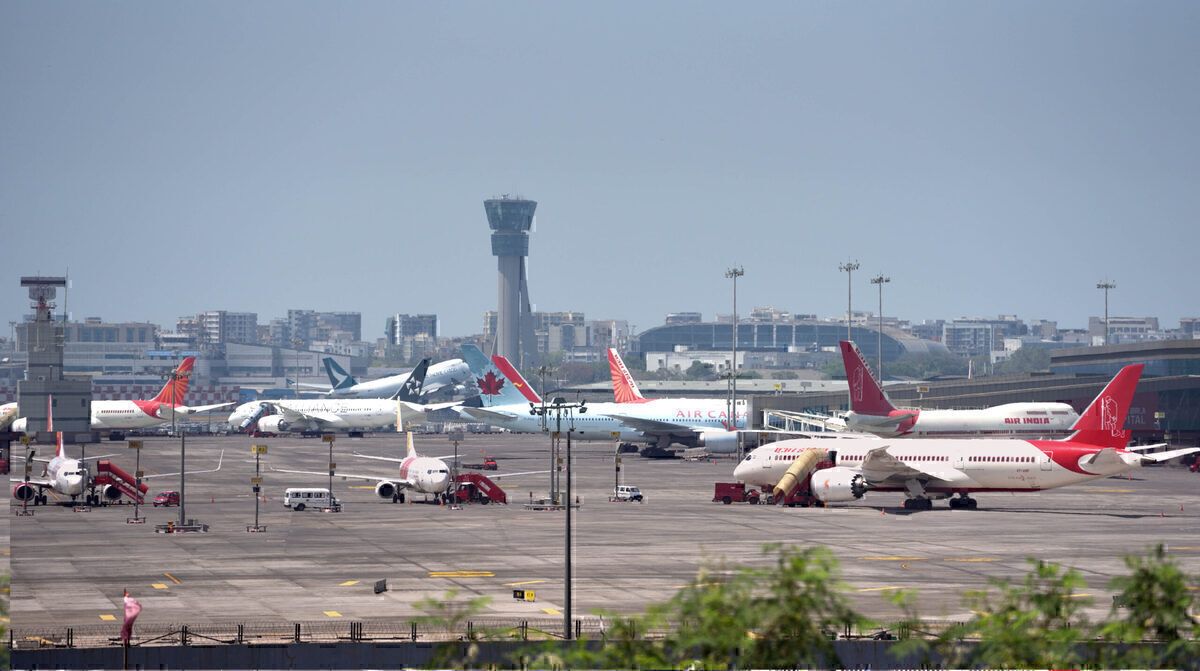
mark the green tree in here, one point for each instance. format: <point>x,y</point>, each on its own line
<point>700,371</point>
<point>449,614</point>
<point>1153,604</point>
<point>1025,360</point>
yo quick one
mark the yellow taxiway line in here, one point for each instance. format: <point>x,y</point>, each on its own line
<point>461,574</point>
<point>348,583</point>
<point>526,582</point>
<point>173,579</point>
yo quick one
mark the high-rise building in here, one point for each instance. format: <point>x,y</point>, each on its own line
<point>408,326</point>
<point>510,220</point>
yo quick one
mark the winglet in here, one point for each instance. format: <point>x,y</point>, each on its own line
<point>625,389</point>
<point>1103,423</point>
<point>175,390</point>
<point>866,395</point>
<point>510,371</point>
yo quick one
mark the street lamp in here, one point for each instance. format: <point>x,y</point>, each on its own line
<point>731,417</point>
<point>1106,285</point>
<point>880,280</point>
<point>848,267</point>
<point>559,406</point>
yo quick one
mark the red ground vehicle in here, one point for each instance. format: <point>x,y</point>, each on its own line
<point>729,492</point>
<point>489,464</point>
<point>167,498</point>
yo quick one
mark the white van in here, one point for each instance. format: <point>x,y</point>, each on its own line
<point>628,493</point>
<point>299,498</point>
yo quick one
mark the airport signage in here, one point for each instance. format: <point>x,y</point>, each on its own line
<point>258,449</point>
<point>256,481</point>
<point>523,595</point>
<point>135,444</point>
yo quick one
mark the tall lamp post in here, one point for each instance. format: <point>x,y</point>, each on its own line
<point>559,407</point>
<point>880,280</point>
<point>848,267</point>
<point>731,416</point>
<point>1106,285</point>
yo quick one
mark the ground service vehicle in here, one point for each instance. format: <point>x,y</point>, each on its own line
<point>299,498</point>
<point>167,498</point>
<point>488,464</point>
<point>628,493</point>
<point>730,492</point>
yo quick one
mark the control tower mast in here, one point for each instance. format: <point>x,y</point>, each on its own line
<point>510,220</point>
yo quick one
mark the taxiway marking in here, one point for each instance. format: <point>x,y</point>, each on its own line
<point>332,613</point>
<point>879,589</point>
<point>173,579</point>
<point>971,560</point>
<point>461,574</point>
<point>108,617</point>
<point>892,558</point>
<point>526,582</point>
<point>158,585</point>
<point>348,583</point>
<point>551,611</point>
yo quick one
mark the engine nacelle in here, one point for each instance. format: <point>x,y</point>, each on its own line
<point>719,442</point>
<point>18,425</point>
<point>834,485</point>
<point>24,492</point>
<point>110,492</point>
<point>273,424</point>
<point>386,490</point>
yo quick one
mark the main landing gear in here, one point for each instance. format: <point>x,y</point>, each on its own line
<point>918,504</point>
<point>963,502</point>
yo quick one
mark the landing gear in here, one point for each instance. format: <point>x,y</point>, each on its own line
<point>39,500</point>
<point>918,504</point>
<point>963,502</point>
<point>398,497</point>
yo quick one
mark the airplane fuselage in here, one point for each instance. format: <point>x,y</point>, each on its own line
<point>438,376</point>
<point>344,414</point>
<point>1031,420</point>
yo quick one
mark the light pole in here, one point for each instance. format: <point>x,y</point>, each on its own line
<point>731,417</point>
<point>848,267</point>
<point>880,280</point>
<point>560,407</point>
<point>1106,285</point>
<point>329,439</point>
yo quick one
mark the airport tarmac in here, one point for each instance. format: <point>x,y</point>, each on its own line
<point>71,567</point>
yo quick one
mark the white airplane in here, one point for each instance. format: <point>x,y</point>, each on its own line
<point>446,375</point>
<point>418,474</point>
<point>656,422</point>
<point>116,416</point>
<point>306,415</point>
<point>926,469</point>
<point>872,412</point>
<point>8,414</point>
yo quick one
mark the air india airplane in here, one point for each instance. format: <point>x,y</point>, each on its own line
<point>872,412</point>
<point>117,416</point>
<point>925,469</point>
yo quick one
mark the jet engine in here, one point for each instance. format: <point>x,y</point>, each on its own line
<point>18,425</point>
<point>110,492</point>
<point>719,442</point>
<point>24,492</point>
<point>386,490</point>
<point>838,484</point>
<point>273,424</point>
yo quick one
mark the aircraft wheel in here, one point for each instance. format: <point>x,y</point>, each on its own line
<point>972,504</point>
<point>400,497</point>
<point>908,504</point>
<point>955,504</point>
<point>926,504</point>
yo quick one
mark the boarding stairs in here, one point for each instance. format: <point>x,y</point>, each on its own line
<point>108,473</point>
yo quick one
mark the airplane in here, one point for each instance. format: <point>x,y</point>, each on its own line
<point>656,424</point>
<point>872,412</point>
<point>418,474</point>
<point>118,416</point>
<point>927,468</point>
<point>625,389</point>
<point>8,414</point>
<point>446,375</point>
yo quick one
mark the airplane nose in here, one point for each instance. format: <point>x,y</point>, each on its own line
<point>74,484</point>
<point>739,471</point>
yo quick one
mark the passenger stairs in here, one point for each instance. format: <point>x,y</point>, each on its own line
<point>482,484</point>
<point>108,473</point>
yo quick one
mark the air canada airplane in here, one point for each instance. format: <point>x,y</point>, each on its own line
<point>117,416</point>
<point>872,412</point>
<point>925,469</point>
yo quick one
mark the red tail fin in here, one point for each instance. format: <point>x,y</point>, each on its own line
<point>625,390</point>
<point>175,390</point>
<point>510,372</point>
<point>1103,423</point>
<point>866,395</point>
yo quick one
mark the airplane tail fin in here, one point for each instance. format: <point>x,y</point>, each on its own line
<point>58,439</point>
<point>411,391</point>
<point>625,389</point>
<point>516,378</point>
<point>1103,423</point>
<point>411,450</point>
<point>338,377</point>
<point>494,387</point>
<point>176,388</point>
<point>866,394</point>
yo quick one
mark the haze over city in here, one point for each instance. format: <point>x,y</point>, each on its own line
<point>989,157</point>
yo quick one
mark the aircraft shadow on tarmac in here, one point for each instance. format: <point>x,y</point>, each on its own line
<point>901,512</point>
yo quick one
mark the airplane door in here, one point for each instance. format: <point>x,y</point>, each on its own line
<point>1047,459</point>
<point>959,462</point>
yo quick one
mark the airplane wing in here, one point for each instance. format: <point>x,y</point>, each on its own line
<point>220,459</point>
<point>371,456</point>
<point>40,483</point>
<point>879,465</point>
<point>99,456</point>
<point>314,387</point>
<point>494,476</point>
<point>1166,456</point>
<point>483,414</point>
<point>652,426</point>
<point>402,484</point>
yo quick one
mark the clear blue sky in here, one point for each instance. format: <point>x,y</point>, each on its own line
<point>991,157</point>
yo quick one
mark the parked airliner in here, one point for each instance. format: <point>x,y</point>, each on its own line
<point>871,411</point>
<point>443,376</point>
<point>927,469</point>
<point>116,416</point>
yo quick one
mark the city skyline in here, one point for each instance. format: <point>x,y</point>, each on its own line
<point>990,158</point>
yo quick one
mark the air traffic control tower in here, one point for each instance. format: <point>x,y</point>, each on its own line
<point>45,388</point>
<point>510,220</point>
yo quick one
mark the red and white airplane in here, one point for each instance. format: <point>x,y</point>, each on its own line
<point>126,415</point>
<point>927,469</point>
<point>872,412</point>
